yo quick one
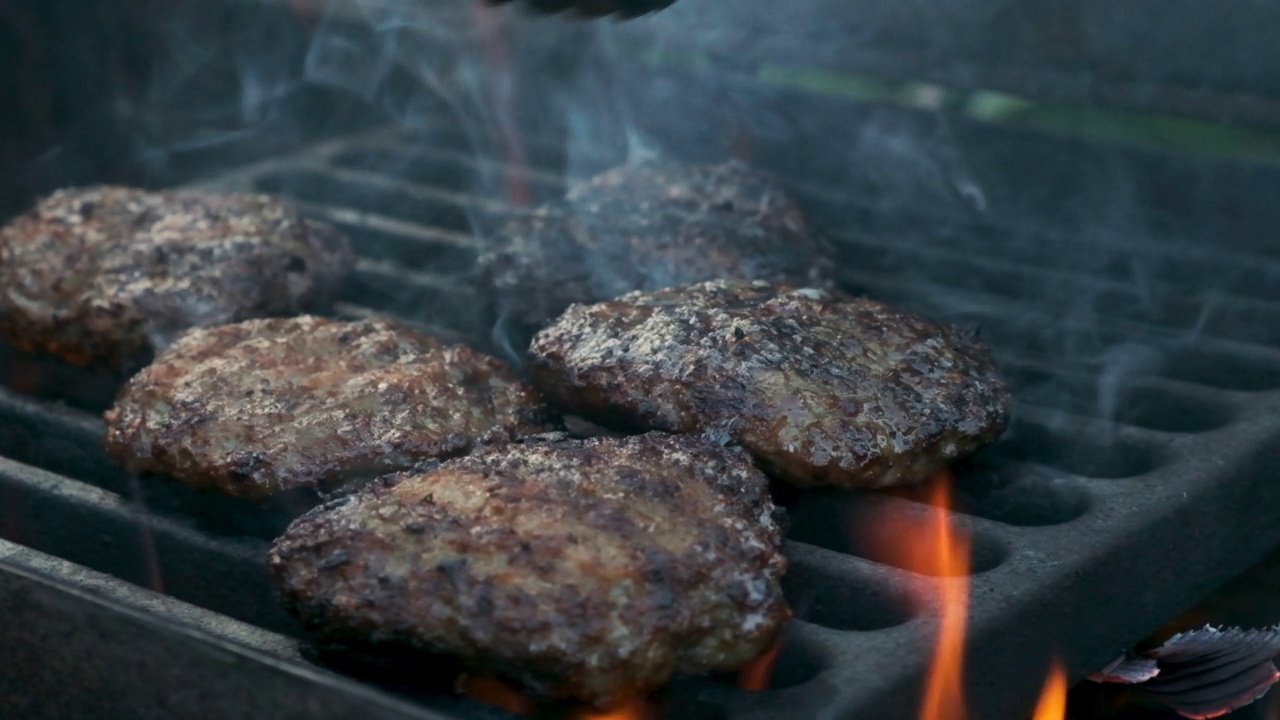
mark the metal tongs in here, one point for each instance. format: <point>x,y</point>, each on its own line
<point>594,8</point>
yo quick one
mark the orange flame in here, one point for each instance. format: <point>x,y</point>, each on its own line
<point>1053,699</point>
<point>931,545</point>
<point>945,551</point>
<point>308,11</point>
<point>499,694</point>
<point>635,708</point>
<point>757,673</point>
<point>490,27</point>
<point>508,696</point>
<point>25,377</point>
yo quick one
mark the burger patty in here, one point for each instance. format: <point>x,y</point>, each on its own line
<point>649,226</point>
<point>824,389</point>
<point>591,568</point>
<point>269,405</point>
<point>110,275</point>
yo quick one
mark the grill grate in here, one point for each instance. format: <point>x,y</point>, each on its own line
<point>1098,516</point>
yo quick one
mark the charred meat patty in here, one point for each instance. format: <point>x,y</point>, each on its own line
<point>591,568</point>
<point>648,226</point>
<point>824,388</point>
<point>111,275</point>
<point>268,405</point>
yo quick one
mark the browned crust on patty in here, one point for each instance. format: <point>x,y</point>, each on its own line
<point>824,388</point>
<point>263,406</point>
<point>586,568</point>
<point>110,274</point>
<point>647,226</point>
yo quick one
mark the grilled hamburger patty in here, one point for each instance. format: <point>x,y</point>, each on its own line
<point>586,568</point>
<point>269,405</point>
<point>823,388</point>
<point>112,274</point>
<point>648,226</point>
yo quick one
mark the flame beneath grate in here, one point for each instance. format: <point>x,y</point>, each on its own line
<point>516,169</point>
<point>633,709</point>
<point>930,545</point>
<point>509,697</point>
<point>943,550</point>
<point>1053,699</point>
<point>498,693</point>
<point>758,674</point>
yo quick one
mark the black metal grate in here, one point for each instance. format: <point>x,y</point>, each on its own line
<point>1136,477</point>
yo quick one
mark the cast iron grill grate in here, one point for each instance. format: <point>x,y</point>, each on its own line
<point>1134,480</point>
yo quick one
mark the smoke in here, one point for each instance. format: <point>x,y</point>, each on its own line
<point>206,94</point>
<point>1054,248</point>
<point>357,63</point>
<point>1120,364</point>
<point>906,169</point>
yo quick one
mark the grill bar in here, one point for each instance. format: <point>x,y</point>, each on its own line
<point>1055,507</point>
<point>819,582</point>
<point>1007,268</point>
<point>63,621</point>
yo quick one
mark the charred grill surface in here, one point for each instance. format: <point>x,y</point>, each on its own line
<point>112,274</point>
<point>590,568</point>
<point>824,388</point>
<point>649,226</point>
<point>265,406</point>
<point>1144,438</point>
